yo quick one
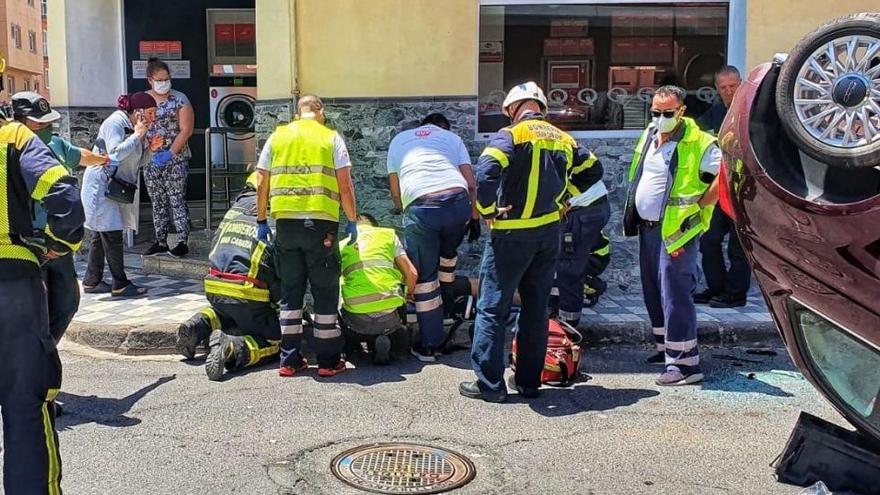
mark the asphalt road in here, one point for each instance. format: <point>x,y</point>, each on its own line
<point>157,426</point>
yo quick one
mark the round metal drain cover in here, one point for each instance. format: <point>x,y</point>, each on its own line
<point>403,468</point>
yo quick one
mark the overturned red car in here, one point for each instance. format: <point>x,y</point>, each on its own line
<point>801,149</point>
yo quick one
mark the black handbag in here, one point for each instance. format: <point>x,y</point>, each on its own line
<point>117,189</point>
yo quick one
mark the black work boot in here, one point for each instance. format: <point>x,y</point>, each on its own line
<point>226,352</point>
<point>190,333</point>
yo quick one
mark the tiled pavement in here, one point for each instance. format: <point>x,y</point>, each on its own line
<point>171,300</point>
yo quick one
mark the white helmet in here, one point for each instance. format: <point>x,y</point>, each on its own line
<point>524,91</point>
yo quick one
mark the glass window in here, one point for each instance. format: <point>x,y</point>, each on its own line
<point>46,77</point>
<point>27,85</point>
<point>599,64</point>
<point>45,44</point>
<point>32,41</point>
<point>43,8</point>
<point>846,364</point>
<point>10,85</point>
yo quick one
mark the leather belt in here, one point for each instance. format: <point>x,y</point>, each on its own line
<point>648,224</point>
<point>442,197</point>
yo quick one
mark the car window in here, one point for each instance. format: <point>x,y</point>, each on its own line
<point>848,365</point>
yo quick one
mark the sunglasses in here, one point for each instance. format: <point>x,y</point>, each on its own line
<point>666,113</point>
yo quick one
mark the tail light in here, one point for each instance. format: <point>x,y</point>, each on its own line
<point>725,199</point>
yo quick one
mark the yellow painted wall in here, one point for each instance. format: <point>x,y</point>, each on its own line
<point>777,25</point>
<point>276,55</point>
<point>354,48</point>
<point>57,31</point>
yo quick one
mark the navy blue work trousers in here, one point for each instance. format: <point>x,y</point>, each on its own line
<point>523,260</point>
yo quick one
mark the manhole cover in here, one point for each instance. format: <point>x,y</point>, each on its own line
<point>403,468</point>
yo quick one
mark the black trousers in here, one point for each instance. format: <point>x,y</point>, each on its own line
<point>109,246</point>
<point>719,278</point>
<point>30,376</point>
<point>246,318</point>
<point>307,256</point>
<point>63,294</point>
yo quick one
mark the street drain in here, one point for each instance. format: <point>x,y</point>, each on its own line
<point>403,468</point>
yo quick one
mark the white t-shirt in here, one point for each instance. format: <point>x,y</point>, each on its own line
<point>340,154</point>
<point>427,159</point>
<point>651,191</point>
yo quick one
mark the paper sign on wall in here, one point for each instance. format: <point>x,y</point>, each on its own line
<point>180,69</point>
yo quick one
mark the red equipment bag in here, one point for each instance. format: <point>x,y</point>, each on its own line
<point>563,359</point>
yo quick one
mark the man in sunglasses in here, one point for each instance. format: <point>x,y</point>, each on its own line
<point>669,204</point>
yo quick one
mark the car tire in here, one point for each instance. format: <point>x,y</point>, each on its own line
<point>798,78</point>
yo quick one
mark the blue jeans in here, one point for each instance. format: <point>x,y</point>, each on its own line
<point>584,227</point>
<point>523,260</point>
<point>434,229</point>
<point>668,285</point>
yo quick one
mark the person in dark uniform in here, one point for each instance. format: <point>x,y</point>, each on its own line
<point>727,287</point>
<point>30,371</point>
<point>244,292</point>
<point>59,274</point>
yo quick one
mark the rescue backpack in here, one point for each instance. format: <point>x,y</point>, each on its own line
<point>564,354</point>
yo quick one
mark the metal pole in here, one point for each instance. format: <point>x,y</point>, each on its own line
<point>208,180</point>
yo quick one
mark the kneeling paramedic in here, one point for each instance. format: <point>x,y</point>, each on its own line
<point>242,287</point>
<point>374,270</point>
<point>305,172</point>
<point>521,177</point>
<point>587,213</point>
<point>30,371</point>
<point>59,274</point>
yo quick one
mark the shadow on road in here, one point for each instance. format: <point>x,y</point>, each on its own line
<point>105,411</point>
<point>556,402</point>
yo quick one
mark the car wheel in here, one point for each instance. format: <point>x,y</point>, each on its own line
<point>828,94</point>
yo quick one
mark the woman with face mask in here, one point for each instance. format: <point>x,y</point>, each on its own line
<point>166,176</point>
<point>123,136</point>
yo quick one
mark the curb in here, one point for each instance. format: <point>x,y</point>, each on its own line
<point>140,340</point>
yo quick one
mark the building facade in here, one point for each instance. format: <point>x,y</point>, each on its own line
<point>22,45</point>
<point>381,65</point>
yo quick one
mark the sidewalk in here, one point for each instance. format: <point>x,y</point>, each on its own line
<point>148,324</point>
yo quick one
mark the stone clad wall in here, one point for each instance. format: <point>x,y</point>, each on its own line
<point>369,125</point>
<point>80,125</point>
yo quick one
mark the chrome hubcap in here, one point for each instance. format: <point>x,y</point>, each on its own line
<point>837,92</point>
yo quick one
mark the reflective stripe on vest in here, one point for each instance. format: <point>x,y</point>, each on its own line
<point>371,281</point>
<point>303,182</point>
<point>683,219</point>
<point>238,290</point>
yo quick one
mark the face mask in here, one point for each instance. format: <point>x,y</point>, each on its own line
<point>665,124</point>
<point>162,87</point>
<point>45,134</point>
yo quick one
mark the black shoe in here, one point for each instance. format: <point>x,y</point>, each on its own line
<point>526,392</point>
<point>703,297</point>
<point>190,333</point>
<point>424,354</point>
<point>471,390</point>
<point>221,350</point>
<point>382,350</point>
<point>657,358</point>
<point>59,410</point>
<point>179,251</point>
<point>728,300</point>
<point>156,248</point>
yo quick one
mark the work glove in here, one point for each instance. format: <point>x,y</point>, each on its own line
<point>264,233</point>
<point>474,230</point>
<point>161,158</point>
<point>352,231</point>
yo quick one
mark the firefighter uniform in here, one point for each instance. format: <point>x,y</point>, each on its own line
<point>372,288</point>
<point>598,261</point>
<point>304,199</point>
<point>244,292</point>
<point>582,226</point>
<point>526,166</point>
<point>668,246</point>
<point>30,371</point>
